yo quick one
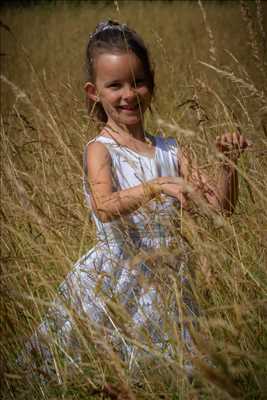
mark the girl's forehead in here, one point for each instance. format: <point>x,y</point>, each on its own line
<point>118,64</point>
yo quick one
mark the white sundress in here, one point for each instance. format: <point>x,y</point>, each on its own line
<point>119,270</point>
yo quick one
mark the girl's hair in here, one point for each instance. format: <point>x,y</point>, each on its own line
<point>109,37</point>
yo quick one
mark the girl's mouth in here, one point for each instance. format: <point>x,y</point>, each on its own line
<point>129,108</point>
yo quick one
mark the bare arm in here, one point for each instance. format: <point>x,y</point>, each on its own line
<point>221,193</point>
<point>227,186</point>
<point>109,203</point>
<point>231,146</point>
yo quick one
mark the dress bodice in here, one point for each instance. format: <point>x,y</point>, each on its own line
<point>129,169</point>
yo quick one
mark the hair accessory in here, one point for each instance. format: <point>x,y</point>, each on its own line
<point>109,24</point>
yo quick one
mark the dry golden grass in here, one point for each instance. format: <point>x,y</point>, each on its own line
<point>210,62</point>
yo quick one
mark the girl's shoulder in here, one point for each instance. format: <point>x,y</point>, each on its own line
<point>99,139</point>
<point>98,144</point>
<point>165,143</point>
<point>95,150</point>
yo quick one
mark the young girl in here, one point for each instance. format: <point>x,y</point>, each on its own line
<point>136,185</point>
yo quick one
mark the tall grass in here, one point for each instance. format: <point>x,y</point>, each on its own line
<point>210,62</point>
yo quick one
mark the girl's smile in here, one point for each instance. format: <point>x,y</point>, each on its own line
<point>122,88</point>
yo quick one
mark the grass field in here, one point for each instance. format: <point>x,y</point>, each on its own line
<point>210,60</point>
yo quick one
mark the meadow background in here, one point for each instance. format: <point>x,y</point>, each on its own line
<point>210,60</point>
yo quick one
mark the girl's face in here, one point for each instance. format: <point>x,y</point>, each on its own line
<point>121,87</point>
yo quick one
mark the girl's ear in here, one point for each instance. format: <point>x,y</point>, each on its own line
<point>91,91</point>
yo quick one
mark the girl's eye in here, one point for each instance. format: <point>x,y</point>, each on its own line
<point>140,81</point>
<point>114,85</point>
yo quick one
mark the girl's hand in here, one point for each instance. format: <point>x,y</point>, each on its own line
<point>171,186</point>
<point>232,145</point>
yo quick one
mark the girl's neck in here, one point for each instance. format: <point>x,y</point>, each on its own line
<point>136,132</point>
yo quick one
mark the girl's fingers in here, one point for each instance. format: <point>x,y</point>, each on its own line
<point>178,191</point>
<point>242,142</point>
<point>232,142</point>
<point>172,180</point>
<point>236,139</point>
<point>183,201</point>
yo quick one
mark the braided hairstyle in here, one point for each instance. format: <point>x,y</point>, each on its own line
<point>113,37</point>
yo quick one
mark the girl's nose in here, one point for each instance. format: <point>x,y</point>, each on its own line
<point>129,92</point>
